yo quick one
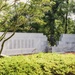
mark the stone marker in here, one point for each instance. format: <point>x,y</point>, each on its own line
<point>25,43</point>
<point>66,43</point>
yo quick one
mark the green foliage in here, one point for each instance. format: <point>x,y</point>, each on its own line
<point>38,64</point>
<point>46,16</point>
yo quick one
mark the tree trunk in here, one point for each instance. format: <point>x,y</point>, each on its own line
<point>66,24</point>
<point>5,41</point>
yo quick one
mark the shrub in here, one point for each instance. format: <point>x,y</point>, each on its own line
<point>38,64</point>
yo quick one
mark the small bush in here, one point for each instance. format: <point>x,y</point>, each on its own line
<point>38,64</point>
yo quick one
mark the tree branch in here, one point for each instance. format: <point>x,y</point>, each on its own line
<point>2,36</point>
<point>6,40</point>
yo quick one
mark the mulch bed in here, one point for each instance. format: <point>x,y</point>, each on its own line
<point>69,53</point>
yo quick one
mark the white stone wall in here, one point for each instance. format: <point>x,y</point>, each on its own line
<point>66,44</point>
<point>25,43</point>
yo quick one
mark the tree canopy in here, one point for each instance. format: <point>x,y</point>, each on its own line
<point>50,17</point>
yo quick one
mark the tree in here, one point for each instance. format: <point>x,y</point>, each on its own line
<point>19,15</point>
<point>10,20</point>
<point>48,17</point>
<point>57,21</point>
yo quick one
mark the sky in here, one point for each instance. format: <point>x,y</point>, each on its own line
<point>23,0</point>
<point>10,1</point>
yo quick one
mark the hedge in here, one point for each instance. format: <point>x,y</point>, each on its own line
<point>38,64</point>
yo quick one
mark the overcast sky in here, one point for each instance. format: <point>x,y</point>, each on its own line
<point>23,0</point>
<point>20,0</point>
